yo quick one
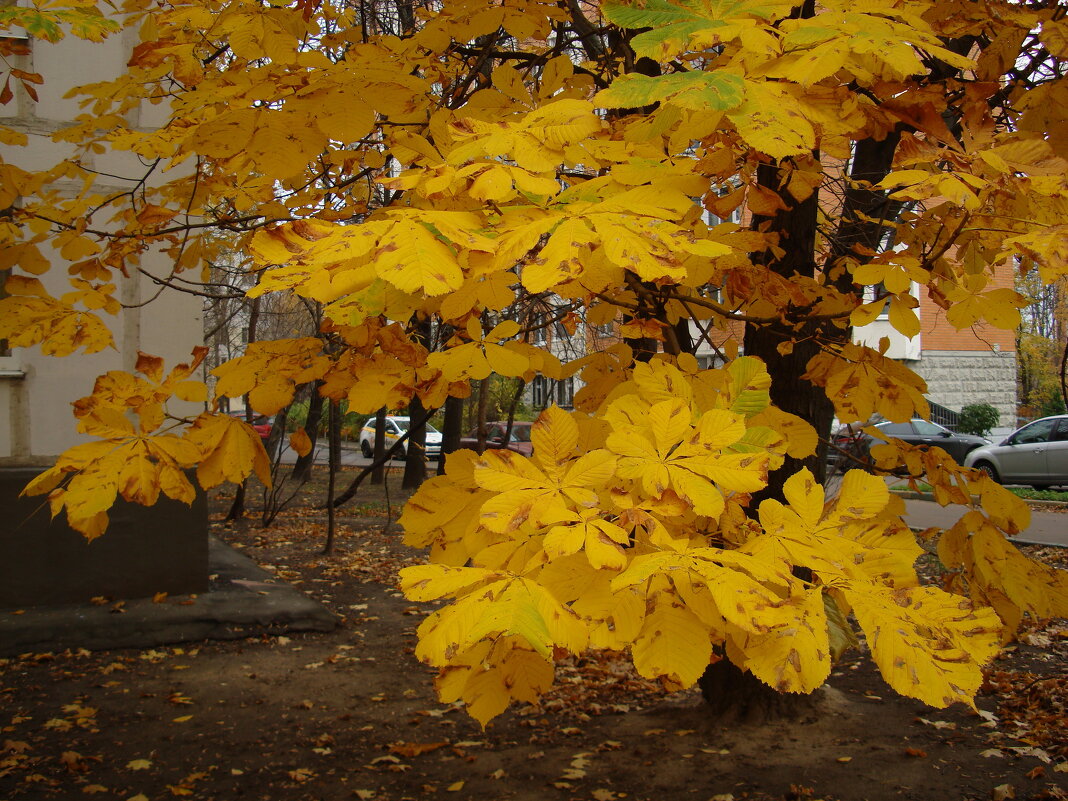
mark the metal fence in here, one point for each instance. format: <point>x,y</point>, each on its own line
<point>943,416</point>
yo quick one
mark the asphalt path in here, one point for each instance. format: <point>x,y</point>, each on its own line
<point>350,456</point>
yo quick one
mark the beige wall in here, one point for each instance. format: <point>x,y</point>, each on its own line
<point>35,390</point>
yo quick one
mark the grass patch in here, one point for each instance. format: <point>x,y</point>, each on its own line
<point>1039,495</point>
<point>1026,493</point>
<point>904,487</point>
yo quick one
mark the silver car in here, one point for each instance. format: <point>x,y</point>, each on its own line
<point>1036,454</point>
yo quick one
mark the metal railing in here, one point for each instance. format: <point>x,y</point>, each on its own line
<point>943,416</point>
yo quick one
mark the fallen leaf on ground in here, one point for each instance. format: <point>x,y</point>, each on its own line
<point>415,749</point>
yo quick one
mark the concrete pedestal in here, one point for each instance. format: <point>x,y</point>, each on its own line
<point>161,548</point>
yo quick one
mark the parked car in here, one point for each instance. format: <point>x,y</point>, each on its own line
<point>852,439</point>
<point>1036,454</point>
<point>260,422</point>
<point>519,441</point>
<point>395,429</point>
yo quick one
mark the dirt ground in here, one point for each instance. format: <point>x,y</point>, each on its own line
<point>352,715</point>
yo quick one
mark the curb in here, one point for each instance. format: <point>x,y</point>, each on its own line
<point>909,495</point>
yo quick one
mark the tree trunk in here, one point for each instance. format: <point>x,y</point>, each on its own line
<point>378,475</point>
<point>302,468</point>
<point>415,449</point>
<point>237,509</point>
<point>451,429</point>
<point>796,227</point>
<point>480,413</point>
<point>334,439</point>
<point>415,460</point>
<point>736,697</point>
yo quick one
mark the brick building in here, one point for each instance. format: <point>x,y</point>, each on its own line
<point>975,365</point>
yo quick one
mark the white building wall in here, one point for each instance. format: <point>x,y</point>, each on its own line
<point>36,391</point>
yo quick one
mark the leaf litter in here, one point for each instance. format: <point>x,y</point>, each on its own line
<point>364,723</point>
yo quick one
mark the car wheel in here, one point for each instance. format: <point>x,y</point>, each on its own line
<point>365,449</point>
<point>989,469</point>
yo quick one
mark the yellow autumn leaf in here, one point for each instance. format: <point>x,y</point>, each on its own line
<point>414,260</point>
<point>270,371</point>
<point>928,644</point>
<point>1035,588</point>
<point>796,656</point>
<point>673,644</point>
<point>58,328</point>
<point>431,582</point>
<point>231,451</point>
<point>300,442</point>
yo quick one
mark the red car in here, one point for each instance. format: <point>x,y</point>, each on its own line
<point>519,441</point>
<point>261,423</point>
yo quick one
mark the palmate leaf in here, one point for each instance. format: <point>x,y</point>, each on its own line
<point>771,120</point>
<point>431,582</point>
<point>489,675</point>
<point>673,644</point>
<point>674,24</point>
<point>58,328</point>
<point>414,260</point>
<point>718,90</point>
<point>230,451</point>
<point>928,644</point>
<point>138,468</point>
<point>270,372</point>
<point>510,606</point>
<point>1004,577</point>
<point>794,657</point>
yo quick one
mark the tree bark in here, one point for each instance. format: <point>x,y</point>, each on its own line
<point>302,468</point>
<point>237,508</point>
<point>378,475</point>
<point>334,439</point>
<point>480,413</point>
<point>736,697</point>
<point>451,429</point>
<point>415,459</point>
<point>796,227</point>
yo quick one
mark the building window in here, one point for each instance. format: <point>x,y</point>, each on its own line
<point>565,393</point>
<point>541,392</point>
<point>544,392</point>
<point>538,335</point>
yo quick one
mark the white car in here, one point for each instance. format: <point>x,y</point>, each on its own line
<point>1036,454</point>
<point>395,429</point>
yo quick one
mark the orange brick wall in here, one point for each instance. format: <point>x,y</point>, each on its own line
<point>937,334</point>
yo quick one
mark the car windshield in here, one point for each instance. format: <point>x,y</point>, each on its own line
<point>402,425</point>
<point>521,434</point>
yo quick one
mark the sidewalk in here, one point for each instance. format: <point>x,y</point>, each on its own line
<point>1047,528</point>
<point>243,600</point>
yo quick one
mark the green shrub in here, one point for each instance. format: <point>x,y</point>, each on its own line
<point>1052,404</point>
<point>978,419</point>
